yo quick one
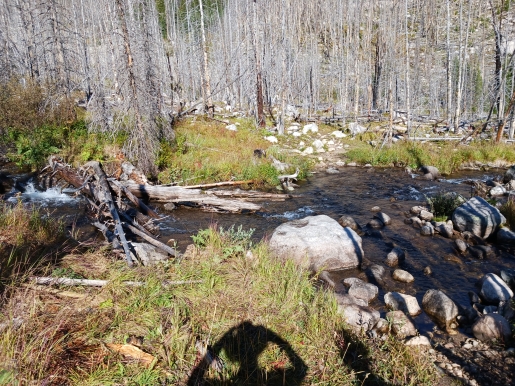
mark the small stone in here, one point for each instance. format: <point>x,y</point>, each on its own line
<point>403,276</point>
<point>449,345</point>
<point>406,303</point>
<point>427,230</point>
<point>375,209</point>
<point>461,245</point>
<point>428,271</point>
<point>416,210</point>
<point>375,223</point>
<point>395,257</point>
<point>425,215</point>
<point>384,218</point>
<point>467,346</point>
<point>401,325</point>
<point>418,341</point>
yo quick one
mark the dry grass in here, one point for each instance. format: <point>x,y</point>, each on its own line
<point>259,315</point>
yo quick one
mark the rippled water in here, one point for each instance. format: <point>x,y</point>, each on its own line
<point>353,191</point>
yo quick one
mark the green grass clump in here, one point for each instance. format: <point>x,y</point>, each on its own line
<point>265,319</point>
<point>443,204</point>
<point>26,236</point>
<point>447,157</point>
<point>508,211</point>
<point>205,151</point>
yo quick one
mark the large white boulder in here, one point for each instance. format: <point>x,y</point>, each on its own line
<point>317,243</point>
<point>478,217</point>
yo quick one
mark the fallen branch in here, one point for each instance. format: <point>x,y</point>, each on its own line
<point>151,240</point>
<point>41,280</point>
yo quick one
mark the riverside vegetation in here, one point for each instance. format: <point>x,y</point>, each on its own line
<point>46,337</point>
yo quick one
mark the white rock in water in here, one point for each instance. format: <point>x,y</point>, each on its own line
<point>403,276</point>
<point>317,242</point>
<point>231,127</point>
<point>310,127</point>
<point>272,139</point>
<point>338,134</point>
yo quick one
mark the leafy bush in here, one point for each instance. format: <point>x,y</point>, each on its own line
<point>443,204</point>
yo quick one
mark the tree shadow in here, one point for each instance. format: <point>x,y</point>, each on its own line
<point>242,345</point>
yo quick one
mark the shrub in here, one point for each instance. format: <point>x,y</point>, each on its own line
<point>443,204</point>
<point>508,211</point>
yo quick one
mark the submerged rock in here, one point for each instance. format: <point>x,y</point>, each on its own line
<point>395,257</point>
<point>317,243</point>
<point>347,221</point>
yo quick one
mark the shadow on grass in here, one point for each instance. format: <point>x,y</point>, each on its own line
<point>357,356</point>
<point>242,345</point>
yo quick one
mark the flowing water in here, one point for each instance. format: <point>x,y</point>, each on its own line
<point>353,191</point>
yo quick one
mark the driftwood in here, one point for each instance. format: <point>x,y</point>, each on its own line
<point>191,197</point>
<point>101,283</point>
<point>151,240</point>
<point>103,195</point>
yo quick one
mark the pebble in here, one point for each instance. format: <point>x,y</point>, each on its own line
<point>467,346</point>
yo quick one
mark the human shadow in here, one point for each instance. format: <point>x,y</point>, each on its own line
<point>242,346</point>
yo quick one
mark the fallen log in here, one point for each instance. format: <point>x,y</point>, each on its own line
<point>151,240</point>
<point>250,195</point>
<point>42,280</point>
<point>192,197</point>
<point>103,195</point>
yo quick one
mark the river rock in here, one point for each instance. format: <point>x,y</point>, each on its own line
<point>317,243</point>
<point>347,221</point>
<point>401,325</point>
<point>395,257</point>
<point>425,215</point>
<point>406,303</point>
<point>384,218</point>
<point>492,327</point>
<point>420,340</point>
<point>362,290</point>
<point>376,273</point>
<point>461,245</point>
<point>375,223</point>
<point>478,217</point>
<point>480,251</point>
<point>427,230</point>
<point>416,222</point>
<point>445,230</point>
<point>148,254</point>
<point>430,172</point>
<point>417,209</point>
<point>505,236</point>
<point>403,276</point>
<point>440,308</point>
<point>494,289</point>
<point>346,299</point>
<point>509,175</point>
<point>360,318</point>
<point>497,191</point>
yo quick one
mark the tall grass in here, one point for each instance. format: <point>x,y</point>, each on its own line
<point>447,157</point>
<point>245,296</point>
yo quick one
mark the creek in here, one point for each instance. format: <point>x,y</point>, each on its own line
<point>353,191</point>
